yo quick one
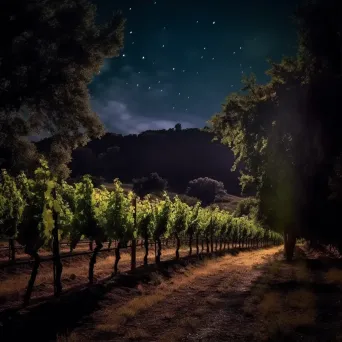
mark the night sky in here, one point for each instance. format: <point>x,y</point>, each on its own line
<point>180,62</point>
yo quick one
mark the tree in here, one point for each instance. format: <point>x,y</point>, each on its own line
<point>178,127</point>
<point>286,132</point>
<point>205,189</point>
<point>147,185</point>
<point>49,54</point>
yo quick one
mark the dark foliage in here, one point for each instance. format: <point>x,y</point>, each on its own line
<point>207,190</point>
<point>50,51</point>
<point>151,184</point>
<point>177,156</point>
<point>287,132</point>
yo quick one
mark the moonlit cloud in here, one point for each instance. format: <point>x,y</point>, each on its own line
<point>121,109</point>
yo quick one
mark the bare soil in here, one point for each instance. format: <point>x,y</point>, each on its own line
<point>243,296</point>
<point>14,279</point>
<point>196,304</point>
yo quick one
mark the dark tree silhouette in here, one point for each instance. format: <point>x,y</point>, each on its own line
<point>287,132</point>
<point>151,184</point>
<point>206,190</point>
<point>178,157</point>
<point>178,127</point>
<point>50,51</point>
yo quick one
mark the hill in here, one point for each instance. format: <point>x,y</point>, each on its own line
<point>176,155</point>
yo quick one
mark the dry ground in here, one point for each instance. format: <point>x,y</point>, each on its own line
<point>13,280</point>
<point>198,303</point>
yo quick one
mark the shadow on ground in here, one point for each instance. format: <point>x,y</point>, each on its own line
<point>298,301</point>
<point>58,317</point>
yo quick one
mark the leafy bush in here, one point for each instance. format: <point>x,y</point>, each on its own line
<point>146,185</point>
<point>207,190</point>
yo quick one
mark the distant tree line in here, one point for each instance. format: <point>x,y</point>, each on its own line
<point>178,156</point>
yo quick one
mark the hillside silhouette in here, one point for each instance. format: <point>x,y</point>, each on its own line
<point>175,154</point>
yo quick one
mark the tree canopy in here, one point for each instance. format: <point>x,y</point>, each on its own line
<point>205,189</point>
<point>286,133</point>
<point>50,51</point>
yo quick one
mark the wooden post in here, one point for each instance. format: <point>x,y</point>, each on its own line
<point>134,241</point>
<point>57,264</point>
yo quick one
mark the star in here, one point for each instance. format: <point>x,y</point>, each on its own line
<point>132,42</point>
<point>188,97</point>
<point>155,2</point>
<point>197,72</point>
<point>183,70</point>
<point>173,69</point>
<point>197,22</point>
<point>234,53</point>
<point>161,89</point>
<point>123,55</point>
<point>130,32</point>
<point>179,93</point>
<point>240,47</point>
<point>173,107</point>
<point>214,22</point>
<point>204,48</point>
<point>143,57</point>
<point>158,81</point>
<point>164,27</point>
<point>149,88</point>
<point>130,8</point>
<point>163,45</point>
<point>137,84</point>
<point>201,57</point>
<point>213,58</point>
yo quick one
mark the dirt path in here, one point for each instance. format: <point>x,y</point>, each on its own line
<point>201,303</point>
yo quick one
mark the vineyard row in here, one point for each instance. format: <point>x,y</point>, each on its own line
<point>41,211</point>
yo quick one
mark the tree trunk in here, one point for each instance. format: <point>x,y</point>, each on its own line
<point>117,257</point>
<point>190,243</point>
<point>202,246</point>
<point>208,247</point>
<point>197,246</point>
<point>92,261</point>
<point>11,249</point>
<point>289,245</point>
<point>133,254</point>
<point>158,255</point>
<point>220,244</point>
<point>57,264</point>
<point>36,263</point>
<point>109,244</point>
<point>177,246</point>
<point>91,245</point>
<point>146,244</point>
